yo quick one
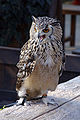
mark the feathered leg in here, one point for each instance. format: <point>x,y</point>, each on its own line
<point>48,100</point>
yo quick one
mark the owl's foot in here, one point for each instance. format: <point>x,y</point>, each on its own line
<point>20,101</point>
<point>23,101</point>
<point>49,100</point>
<point>46,100</point>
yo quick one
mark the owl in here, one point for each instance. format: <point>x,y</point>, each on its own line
<point>40,60</point>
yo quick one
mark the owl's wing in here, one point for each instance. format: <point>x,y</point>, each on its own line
<point>27,62</point>
<point>59,56</point>
<point>62,66</point>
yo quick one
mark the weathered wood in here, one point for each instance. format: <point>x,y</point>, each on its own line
<point>76,51</point>
<point>9,55</point>
<point>73,10</point>
<point>69,111</point>
<point>8,71</point>
<point>8,76</point>
<point>67,95</point>
<point>67,39</point>
<point>55,10</point>
<point>72,62</point>
<point>7,95</point>
<point>73,28</point>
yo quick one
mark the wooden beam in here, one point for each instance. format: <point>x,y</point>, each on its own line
<point>72,63</point>
<point>70,9</point>
<point>67,97</point>
<point>73,28</point>
<point>67,39</point>
<point>8,95</point>
<point>9,55</point>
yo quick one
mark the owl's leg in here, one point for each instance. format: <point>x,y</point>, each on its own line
<point>23,101</point>
<point>20,101</point>
<point>48,100</point>
<point>22,96</point>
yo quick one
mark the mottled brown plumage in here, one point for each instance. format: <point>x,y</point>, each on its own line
<point>40,59</point>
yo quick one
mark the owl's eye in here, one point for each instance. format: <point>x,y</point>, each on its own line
<point>35,29</point>
<point>46,30</point>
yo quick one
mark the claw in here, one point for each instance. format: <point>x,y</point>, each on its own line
<point>20,101</point>
<point>23,101</point>
<point>49,100</point>
<point>27,103</point>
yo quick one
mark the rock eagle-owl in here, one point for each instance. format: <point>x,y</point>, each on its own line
<point>40,60</point>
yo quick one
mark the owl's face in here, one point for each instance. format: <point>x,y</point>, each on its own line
<point>43,28</point>
<point>43,33</point>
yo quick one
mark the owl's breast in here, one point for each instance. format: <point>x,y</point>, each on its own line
<point>46,58</point>
<point>44,77</point>
<point>48,61</point>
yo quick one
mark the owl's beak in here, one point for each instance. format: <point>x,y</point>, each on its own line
<point>41,37</point>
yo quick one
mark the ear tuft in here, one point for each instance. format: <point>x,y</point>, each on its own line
<point>33,18</point>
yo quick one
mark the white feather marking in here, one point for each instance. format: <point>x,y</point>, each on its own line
<point>20,101</point>
<point>22,92</point>
<point>49,61</point>
<point>18,74</point>
<point>21,56</point>
<point>23,72</point>
<point>26,57</point>
<point>24,66</point>
<point>28,64</point>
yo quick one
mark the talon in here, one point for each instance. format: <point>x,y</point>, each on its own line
<point>44,95</point>
<point>27,103</point>
<point>20,101</point>
<point>48,100</point>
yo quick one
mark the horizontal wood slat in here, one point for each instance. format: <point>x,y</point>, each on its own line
<point>8,70</point>
<point>70,9</point>
<point>10,56</point>
<point>72,62</point>
<point>67,97</point>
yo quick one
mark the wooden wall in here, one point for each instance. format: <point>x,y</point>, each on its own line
<point>8,70</point>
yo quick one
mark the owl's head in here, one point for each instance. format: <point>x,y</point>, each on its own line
<point>44,28</point>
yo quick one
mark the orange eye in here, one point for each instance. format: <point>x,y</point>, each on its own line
<point>46,30</point>
<point>35,29</point>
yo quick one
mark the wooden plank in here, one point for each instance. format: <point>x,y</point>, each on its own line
<point>7,95</point>
<point>76,51</point>
<point>73,10</point>
<point>70,9</point>
<point>68,75</point>
<point>72,63</point>
<point>73,28</point>
<point>55,10</point>
<point>69,111</point>
<point>1,75</point>
<point>8,76</point>
<point>67,95</point>
<point>9,55</point>
<point>67,39</point>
